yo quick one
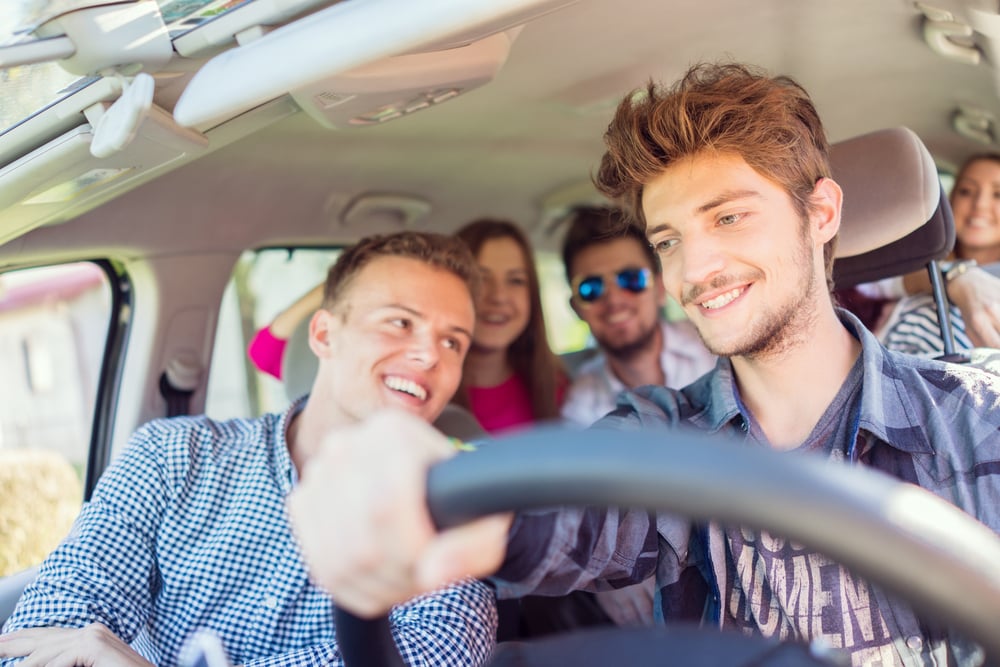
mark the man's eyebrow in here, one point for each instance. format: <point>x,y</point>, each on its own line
<point>417,313</point>
<point>725,198</point>
<point>715,202</point>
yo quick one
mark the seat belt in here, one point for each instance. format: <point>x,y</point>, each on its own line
<point>178,383</point>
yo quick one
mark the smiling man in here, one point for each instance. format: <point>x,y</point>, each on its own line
<point>187,529</point>
<point>728,171</point>
<point>618,292</point>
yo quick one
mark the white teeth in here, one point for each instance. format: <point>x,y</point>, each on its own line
<point>407,386</point>
<point>494,319</point>
<point>722,299</point>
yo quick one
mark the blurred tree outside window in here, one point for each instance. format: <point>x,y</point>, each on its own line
<point>53,327</point>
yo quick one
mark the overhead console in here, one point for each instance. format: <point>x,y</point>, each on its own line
<point>346,64</point>
<point>325,60</point>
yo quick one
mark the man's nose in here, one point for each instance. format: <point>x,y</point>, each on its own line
<point>424,351</point>
<point>701,259</point>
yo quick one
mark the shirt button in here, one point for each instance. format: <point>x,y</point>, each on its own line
<point>916,643</point>
<point>271,602</point>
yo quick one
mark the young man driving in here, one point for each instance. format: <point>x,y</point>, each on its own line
<point>728,170</point>
<point>187,529</point>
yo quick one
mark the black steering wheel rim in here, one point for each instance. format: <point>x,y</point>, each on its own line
<point>851,513</point>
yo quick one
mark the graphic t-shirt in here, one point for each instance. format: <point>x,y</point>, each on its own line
<point>779,588</point>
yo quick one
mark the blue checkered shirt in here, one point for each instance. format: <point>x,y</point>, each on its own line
<point>187,530</point>
<point>926,422</point>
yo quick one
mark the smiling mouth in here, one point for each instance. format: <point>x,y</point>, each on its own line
<point>723,299</point>
<point>978,222</point>
<point>405,386</point>
<point>495,319</point>
<point>619,317</point>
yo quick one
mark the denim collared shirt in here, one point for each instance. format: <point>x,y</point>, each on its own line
<point>923,421</point>
<point>187,530</point>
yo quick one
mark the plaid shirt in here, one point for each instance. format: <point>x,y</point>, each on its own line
<point>187,530</point>
<point>923,421</point>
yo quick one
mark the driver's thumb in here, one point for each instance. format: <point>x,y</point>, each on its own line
<point>474,550</point>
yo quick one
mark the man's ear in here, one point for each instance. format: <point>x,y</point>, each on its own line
<point>825,206</point>
<point>576,309</point>
<point>322,328</point>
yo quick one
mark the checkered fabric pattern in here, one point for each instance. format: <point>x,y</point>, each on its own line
<point>187,530</point>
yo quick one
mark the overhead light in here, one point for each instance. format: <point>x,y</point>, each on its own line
<point>398,86</point>
<point>385,211</point>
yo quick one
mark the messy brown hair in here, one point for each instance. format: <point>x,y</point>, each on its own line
<point>588,225</point>
<point>770,122</point>
<point>438,250</point>
<point>529,355</point>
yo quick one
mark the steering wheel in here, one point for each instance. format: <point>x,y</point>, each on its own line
<point>896,535</point>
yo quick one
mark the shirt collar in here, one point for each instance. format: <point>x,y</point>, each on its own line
<point>287,472</point>
<point>887,410</point>
<point>883,395</point>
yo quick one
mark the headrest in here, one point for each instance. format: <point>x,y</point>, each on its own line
<point>896,217</point>
<point>890,184</point>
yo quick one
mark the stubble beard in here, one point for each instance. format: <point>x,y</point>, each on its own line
<point>630,350</point>
<point>786,327</point>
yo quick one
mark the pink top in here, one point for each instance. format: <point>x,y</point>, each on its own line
<point>502,407</point>
<point>266,351</point>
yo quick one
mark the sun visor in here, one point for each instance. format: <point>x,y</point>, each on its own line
<point>300,56</point>
<point>123,145</point>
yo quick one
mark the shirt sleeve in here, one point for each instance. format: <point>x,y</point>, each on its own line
<point>104,571</point>
<point>595,549</point>
<point>453,627</point>
<point>554,552</point>
<point>266,351</point>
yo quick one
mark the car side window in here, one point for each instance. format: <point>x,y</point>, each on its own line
<point>53,332</point>
<point>264,282</point>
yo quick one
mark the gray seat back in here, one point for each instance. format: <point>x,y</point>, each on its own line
<point>10,591</point>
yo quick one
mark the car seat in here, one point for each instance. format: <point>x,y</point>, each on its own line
<point>896,217</point>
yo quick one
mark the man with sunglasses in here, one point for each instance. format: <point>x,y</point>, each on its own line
<point>617,291</point>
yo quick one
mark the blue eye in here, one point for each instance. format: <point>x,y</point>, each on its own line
<point>665,246</point>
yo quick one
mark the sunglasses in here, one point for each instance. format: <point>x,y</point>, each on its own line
<point>591,288</point>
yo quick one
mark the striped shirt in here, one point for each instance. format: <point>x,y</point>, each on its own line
<point>187,530</point>
<point>927,422</point>
<point>913,327</point>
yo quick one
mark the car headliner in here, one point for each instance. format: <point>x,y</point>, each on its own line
<point>524,145</point>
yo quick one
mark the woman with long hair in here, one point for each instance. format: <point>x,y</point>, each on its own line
<point>511,376</point>
<point>975,204</point>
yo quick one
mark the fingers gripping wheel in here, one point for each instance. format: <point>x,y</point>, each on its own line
<point>852,514</point>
